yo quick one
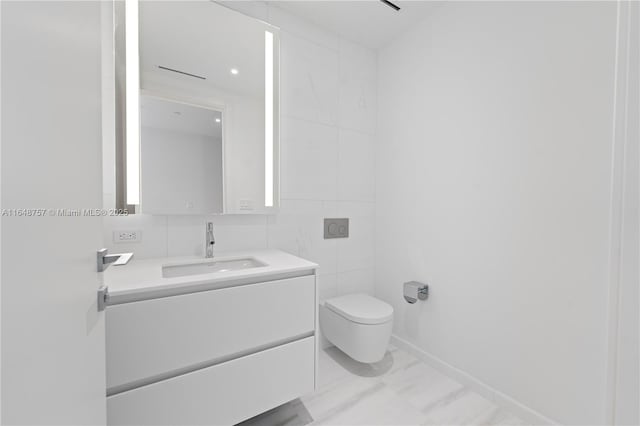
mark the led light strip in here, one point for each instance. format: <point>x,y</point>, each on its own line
<point>268,119</point>
<point>132,102</point>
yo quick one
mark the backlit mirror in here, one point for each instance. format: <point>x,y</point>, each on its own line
<point>201,109</point>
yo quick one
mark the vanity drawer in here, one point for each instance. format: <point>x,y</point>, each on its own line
<point>224,394</point>
<point>150,339</point>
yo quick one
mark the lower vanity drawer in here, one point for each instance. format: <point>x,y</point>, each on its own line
<point>223,394</point>
<point>152,339</point>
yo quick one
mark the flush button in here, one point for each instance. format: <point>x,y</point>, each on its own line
<point>336,228</point>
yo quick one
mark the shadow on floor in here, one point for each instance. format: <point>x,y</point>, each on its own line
<point>292,413</point>
<point>359,368</point>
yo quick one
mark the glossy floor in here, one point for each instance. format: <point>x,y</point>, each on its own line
<point>399,390</point>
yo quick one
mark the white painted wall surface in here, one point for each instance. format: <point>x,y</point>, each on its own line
<point>625,315</point>
<point>493,185</point>
<point>328,112</point>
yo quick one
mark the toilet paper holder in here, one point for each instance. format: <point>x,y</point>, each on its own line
<point>414,291</point>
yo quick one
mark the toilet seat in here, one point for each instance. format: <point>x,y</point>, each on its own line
<point>361,308</point>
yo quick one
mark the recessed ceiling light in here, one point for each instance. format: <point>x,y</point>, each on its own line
<point>234,71</point>
<point>217,120</point>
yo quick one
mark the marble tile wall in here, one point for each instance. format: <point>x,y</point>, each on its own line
<point>328,104</point>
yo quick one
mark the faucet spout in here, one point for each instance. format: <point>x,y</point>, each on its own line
<point>210,240</point>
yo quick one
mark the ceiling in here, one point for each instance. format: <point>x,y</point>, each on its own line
<point>368,22</point>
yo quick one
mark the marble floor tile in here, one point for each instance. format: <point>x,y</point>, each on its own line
<point>330,369</point>
<point>500,417</point>
<point>461,407</point>
<point>398,390</point>
<point>339,396</point>
<point>379,406</point>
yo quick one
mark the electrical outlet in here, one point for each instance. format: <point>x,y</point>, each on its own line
<point>245,204</point>
<point>126,236</point>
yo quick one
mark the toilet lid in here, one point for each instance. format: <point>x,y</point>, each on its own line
<point>361,308</point>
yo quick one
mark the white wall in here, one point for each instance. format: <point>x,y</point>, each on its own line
<point>493,185</point>
<point>328,105</point>
<point>625,296</point>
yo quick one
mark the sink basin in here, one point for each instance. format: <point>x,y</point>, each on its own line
<point>172,271</point>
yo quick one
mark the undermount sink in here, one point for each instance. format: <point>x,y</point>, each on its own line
<point>172,271</point>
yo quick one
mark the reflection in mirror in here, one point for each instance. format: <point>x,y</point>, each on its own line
<point>202,55</point>
<point>181,161</point>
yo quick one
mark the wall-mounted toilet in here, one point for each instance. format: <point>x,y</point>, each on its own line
<point>358,324</point>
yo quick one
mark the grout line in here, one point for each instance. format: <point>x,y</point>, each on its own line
<point>325,200</point>
<point>166,236</point>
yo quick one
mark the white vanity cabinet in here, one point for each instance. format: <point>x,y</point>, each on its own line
<point>214,356</point>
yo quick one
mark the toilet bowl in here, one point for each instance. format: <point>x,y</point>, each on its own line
<point>358,324</point>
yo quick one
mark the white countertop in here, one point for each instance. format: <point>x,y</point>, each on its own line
<point>142,278</point>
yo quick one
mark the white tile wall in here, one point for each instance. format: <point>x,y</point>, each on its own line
<point>356,164</point>
<point>358,88</point>
<point>328,95</point>
<point>298,229</point>
<point>309,160</point>
<point>309,78</point>
<point>357,251</point>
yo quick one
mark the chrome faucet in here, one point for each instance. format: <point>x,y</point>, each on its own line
<point>210,240</point>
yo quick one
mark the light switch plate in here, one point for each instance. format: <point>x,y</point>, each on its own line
<point>336,228</point>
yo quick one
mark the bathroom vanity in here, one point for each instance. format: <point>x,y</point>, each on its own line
<point>209,341</point>
<point>192,340</point>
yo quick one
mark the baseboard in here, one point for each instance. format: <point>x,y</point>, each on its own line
<point>528,415</point>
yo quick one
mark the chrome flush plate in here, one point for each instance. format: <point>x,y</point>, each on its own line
<point>336,228</point>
